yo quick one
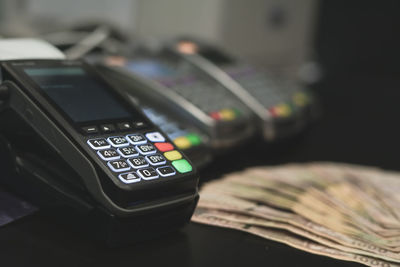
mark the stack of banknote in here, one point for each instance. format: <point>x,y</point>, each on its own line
<point>343,211</point>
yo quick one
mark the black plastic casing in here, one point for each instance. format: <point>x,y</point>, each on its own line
<point>49,151</point>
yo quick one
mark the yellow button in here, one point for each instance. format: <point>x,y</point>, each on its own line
<point>182,142</point>
<point>227,114</point>
<point>283,110</point>
<point>300,99</point>
<point>173,155</point>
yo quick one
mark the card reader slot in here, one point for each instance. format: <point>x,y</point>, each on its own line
<point>21,170</point>
<point>56,168</point>
<point>50,186</point>
<point>23,138</point>
<point>3,95</point>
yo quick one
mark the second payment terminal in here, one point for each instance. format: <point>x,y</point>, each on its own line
<point>170,81</point>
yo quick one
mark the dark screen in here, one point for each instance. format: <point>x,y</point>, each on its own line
<point>150,68</point>
<point>215,56</point>
<point>75,92</point>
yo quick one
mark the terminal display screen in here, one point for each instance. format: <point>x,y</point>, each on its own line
<point>79,95</point>
<point>150,68</point>
<point>215,56</point>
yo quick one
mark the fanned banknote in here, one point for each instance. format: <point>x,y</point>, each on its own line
<point>343,211</point>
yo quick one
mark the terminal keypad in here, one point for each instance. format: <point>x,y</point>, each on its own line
<point>136,157</point>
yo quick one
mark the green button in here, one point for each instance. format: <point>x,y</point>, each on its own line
<point>194,139</point>
<point>237,112</point>
<point>182,165</point>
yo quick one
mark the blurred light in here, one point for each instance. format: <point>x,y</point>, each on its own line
<point>186,47</point>
<point>116,61</point>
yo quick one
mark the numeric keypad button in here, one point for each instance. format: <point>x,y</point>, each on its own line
<point>138,162</point>
<point>108,154</point>
<point>166,171</point>
<point>156,160</point>
<point>146,149</point>
<point>98,143</point>
<point>128,152</point>
<point>119,166</point>
<point>136,139</point>
<point>148,173</point>
<point>118,141</point>
<point>129,177</point>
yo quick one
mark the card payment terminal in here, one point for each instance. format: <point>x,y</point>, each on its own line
<point>285,103</point>
<point>70,134</point>
<point>193,96</point>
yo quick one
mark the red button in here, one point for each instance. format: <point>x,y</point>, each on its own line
<point>164,146</point>
<point>215,115</point>
<point>273,112</point>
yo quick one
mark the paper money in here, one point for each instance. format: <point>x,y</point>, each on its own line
<point>351,209</point>
<point>291,240</point>
<point>233,205</point>
<point>323,212</point>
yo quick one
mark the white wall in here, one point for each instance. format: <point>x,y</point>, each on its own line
<point>243,26</point>
<point>166,18</point>
<point>120,12</point>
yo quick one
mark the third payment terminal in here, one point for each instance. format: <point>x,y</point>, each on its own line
<point>284,103</point>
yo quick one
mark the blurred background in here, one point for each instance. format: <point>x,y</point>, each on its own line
<point>272,33</point>
<point>350,47</point>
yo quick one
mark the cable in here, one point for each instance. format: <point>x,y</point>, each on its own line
<point>86,39</point>
<point>3,92</point>
<point>91,41</point>
<point>3,96</point>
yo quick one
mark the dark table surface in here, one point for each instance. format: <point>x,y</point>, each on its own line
<point>358,126</point>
